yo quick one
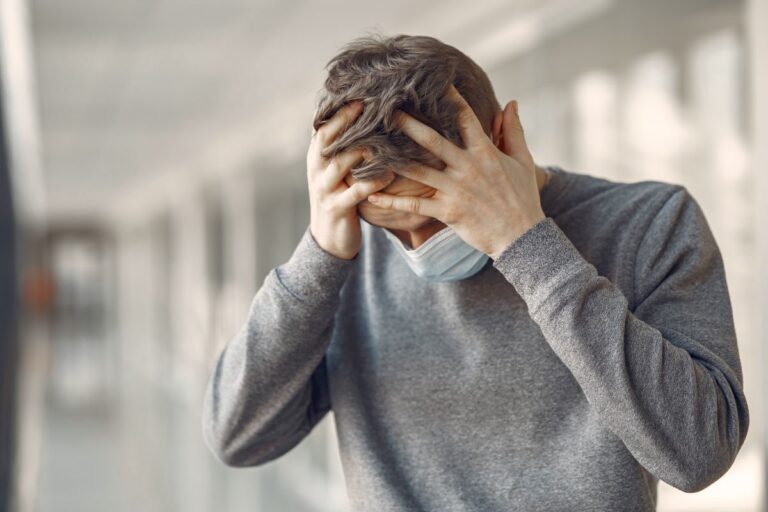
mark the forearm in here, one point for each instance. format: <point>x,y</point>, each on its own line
<point>678,407</point>
<point>258,401</point>
<point>676,413</point>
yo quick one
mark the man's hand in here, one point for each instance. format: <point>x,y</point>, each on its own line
<point>489,195</point>
<point>334,222</point>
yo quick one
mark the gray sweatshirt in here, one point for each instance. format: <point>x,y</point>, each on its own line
<point>595,356</point>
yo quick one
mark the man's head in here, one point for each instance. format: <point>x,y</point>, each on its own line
<point>410,73</point>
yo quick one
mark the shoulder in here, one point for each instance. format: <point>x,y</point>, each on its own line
<point>603,210</point>
<point>640,196</point>
<point>582,192</point>
<point>676,245</point>
<point>656,194</point>
<point>657,214</point>
<point>668,210</point>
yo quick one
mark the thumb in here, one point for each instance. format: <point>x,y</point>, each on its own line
<point>513,134</point>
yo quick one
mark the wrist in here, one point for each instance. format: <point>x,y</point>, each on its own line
<point>329,247</point>
<point>516,232</point>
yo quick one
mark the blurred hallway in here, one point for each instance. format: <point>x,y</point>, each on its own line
<point>159,174</point>
<point>81,464</point>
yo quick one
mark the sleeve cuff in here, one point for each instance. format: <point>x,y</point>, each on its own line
<point>539,261</point>
<point>311,273</point>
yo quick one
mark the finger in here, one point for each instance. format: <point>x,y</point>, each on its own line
<point>426,175</point>
<point>469,125</point>
<point>411,204</point>
<point>339,122</point>
<point>362,189</point>
<point>514,137</point>
<point>428,138</point>
<point>340,166</point>
<point>497,118</point>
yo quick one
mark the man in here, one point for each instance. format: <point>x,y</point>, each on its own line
<point>496,335</point>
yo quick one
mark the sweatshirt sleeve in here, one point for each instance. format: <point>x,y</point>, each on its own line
<point>665,377</point>
<point>268,387</point>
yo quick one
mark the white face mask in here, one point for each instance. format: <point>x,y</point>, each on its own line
<point>443,257</point>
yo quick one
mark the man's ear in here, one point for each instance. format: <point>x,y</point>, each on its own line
<point>496,129</point>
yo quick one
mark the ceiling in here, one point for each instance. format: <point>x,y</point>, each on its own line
<point>134,94</point>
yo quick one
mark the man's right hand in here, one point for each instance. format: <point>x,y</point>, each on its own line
<point>334,221</point>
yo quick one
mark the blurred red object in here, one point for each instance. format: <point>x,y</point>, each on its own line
<point>37,290</point>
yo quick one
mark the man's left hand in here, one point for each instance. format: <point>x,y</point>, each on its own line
<point>489,195</point>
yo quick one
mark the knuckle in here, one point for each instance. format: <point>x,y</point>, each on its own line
<point>487,147</point>
<point>473,167</point>
<point>433,140</point>
<point>488,156</point>
<point>348,115</point>
<point>333,166</point>
<point>359,194</point>
<point>415,171</point>
<point>355,191</point>
<point>450,214</point>
<point>322,136</point>
<point>370,183</point>
<point>349,157</point>
<point>464,196</point>
<point>412,205</point>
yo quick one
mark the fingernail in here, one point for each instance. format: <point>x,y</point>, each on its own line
<point>514,106</point>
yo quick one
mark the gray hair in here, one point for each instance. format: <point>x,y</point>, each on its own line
<point>410,73</point>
